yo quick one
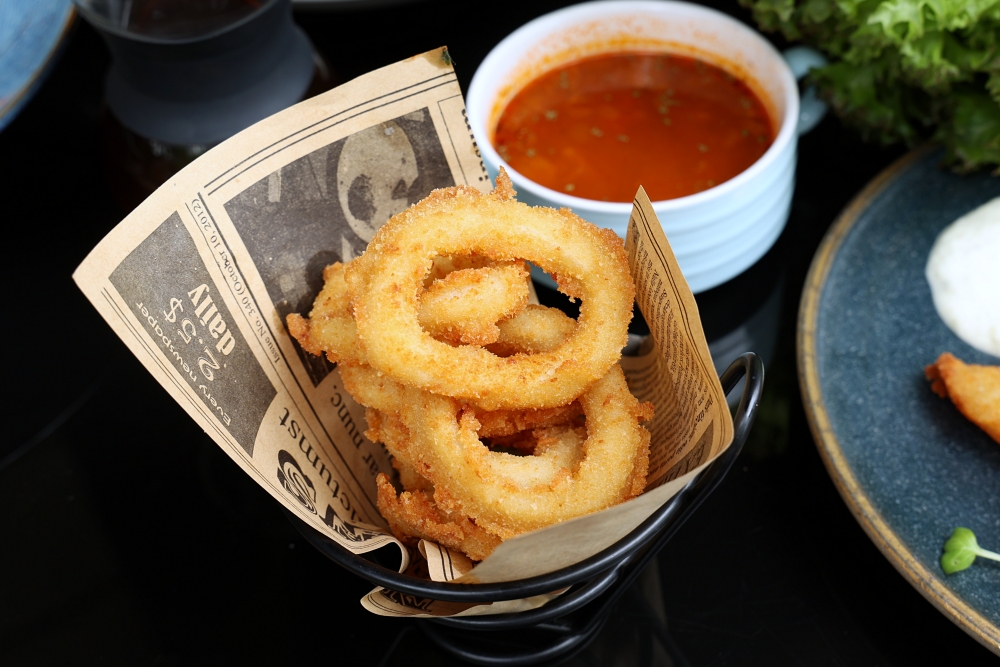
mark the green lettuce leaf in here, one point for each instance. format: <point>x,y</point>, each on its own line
<point>905,70</point>
<point>972,137</point>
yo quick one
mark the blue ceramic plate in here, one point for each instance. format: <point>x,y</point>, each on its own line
<point>908,465</point>
<point>30,34</point>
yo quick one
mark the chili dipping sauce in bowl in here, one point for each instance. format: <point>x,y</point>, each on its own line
<point>584,105</point>
<point>600,126</point>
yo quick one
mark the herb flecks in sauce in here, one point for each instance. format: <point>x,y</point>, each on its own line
<point>664,112</point>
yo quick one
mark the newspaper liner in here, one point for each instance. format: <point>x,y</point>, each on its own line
<point>197,282</point>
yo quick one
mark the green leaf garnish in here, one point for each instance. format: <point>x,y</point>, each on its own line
<point>960,551</point>
<point>905,70</point>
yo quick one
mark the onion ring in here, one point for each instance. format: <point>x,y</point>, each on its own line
<point>442,443</point>
<point>330,327</point>
<point>535,329</point>
<point>586,261</point>
<point>413,515</point>
<point>555,450</point>
<point>613,470</point>
<point>463,307</point>
<point>542,329</point>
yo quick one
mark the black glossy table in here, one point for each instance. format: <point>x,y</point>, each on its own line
<point>128,537</point>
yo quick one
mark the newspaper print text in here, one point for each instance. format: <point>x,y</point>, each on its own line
<point>227,265</point>
<point>296,433</point>
<point>187,331</point>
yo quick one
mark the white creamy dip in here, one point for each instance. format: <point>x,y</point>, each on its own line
<point>963,270</point>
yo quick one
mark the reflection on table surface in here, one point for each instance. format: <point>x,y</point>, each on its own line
<point>130,538</point>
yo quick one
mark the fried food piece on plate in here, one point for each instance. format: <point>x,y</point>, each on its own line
<point>974,389</point>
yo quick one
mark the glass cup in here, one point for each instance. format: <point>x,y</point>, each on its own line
<point>187,74</point>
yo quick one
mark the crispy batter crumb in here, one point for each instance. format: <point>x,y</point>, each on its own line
<point>974,389</point>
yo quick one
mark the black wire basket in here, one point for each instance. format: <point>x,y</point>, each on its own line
<point>565,625</point>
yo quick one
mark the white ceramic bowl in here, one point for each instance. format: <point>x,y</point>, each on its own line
<point>715,234</point>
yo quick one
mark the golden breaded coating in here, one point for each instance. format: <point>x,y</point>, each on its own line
<point>500,423</point>
<point>974,389</point>
<point>414,515</point>
<point>535,329</point>
<point>463,307</point>
<point>330,327</point>
<point>586,261</point>
<point>443,265</point>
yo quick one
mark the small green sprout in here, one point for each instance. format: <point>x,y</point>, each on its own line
<point>961,550</point>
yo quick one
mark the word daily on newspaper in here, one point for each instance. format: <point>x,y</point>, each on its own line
<point>199,279</point>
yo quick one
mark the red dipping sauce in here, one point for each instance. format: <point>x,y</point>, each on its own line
<point>600,127</point>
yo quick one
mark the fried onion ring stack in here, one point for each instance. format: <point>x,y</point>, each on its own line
<point>502,417</point>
